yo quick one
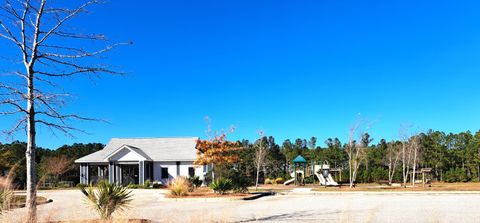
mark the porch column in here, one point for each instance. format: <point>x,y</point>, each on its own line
<point>111,172</point>
<point>118,174</point>
<point>84,173</point>
<point>141,172</point>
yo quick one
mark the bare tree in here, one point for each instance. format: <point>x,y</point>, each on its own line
<point>410,154</point>
<point>56,166</point>
<point>260,154</point>
<point>356,152</point>
<point>47,48</point>
<point>415,148</point>
<point>393,156</point>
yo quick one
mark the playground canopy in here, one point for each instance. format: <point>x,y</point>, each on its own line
<point>299,159</point>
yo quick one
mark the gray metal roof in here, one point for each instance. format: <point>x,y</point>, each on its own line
<point>157,149</point>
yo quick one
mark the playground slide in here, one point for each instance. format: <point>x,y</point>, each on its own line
<point>321,179</point>
<point>289,181</point>
<point>331,181</point>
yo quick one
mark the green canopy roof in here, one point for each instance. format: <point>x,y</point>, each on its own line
<point>300,159</point>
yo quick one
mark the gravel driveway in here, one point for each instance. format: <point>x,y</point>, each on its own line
<point>325,207</point>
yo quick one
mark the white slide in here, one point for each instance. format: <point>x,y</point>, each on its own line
<point>331,181</point>
<point>289,181</point>
<point>326,181</point>
<point>321,179</point>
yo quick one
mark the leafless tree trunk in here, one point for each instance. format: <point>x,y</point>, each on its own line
<point>260,154</point>
<point>393,156</point>
<point>48,49</point>
<point>355,151</point>
<point>415,147</point>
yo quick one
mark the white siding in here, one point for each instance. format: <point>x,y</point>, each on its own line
<point>172,170</point>
<point>126,155</point>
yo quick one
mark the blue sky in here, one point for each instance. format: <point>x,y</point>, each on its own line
<point>294,69</point>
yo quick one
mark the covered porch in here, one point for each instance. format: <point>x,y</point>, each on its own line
<point>124,166</point>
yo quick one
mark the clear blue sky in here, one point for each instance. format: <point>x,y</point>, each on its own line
<point>292,68</point>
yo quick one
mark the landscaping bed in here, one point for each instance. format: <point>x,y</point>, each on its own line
<point>18,201</point>
<point>205,192</point>
<point>107,221</point>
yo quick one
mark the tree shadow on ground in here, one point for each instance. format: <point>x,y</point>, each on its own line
<point>298,215</point>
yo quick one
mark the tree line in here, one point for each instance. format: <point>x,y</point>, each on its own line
<point>452,157</point>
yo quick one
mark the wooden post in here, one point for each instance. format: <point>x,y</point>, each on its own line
<point>295,173</point>
<point>423,179</point>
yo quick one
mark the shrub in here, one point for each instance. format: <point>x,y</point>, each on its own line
<point>309,180</point>
<point>268,181</point>
<point>221,186</point>
<point>240,181</point>
<point>147,184</point>
<point>157,185</point>
<point>195,181</point>
<point>80,185</point>
<point>279,180</point>
<point>107,198</point>
<point>135,186</point>
<point>179,186</point>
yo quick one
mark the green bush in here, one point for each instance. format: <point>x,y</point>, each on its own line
<point>221,186</point>
<point>195,181</point>
<point>80,185</point>
<point>135,186</point>
<point>107,198</point>
<point>157,185</point>
<point>240,181</point>
<point>147,184</point>
<point>309,180</point>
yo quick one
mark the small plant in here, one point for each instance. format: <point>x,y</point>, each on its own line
<point>147,184</point>
<point>107,198</point>
<point>179,186</point>
<point>135,186</point>
<point>157,185</point>
<point>80,185</point>
<point>221,186</point>
<point>268,181</point>
<point>195,182</point>
<point>279,180</point>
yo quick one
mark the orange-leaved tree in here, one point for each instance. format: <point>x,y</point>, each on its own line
<point>217,150</point>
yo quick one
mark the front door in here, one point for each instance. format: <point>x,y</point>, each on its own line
<point>129,174</point>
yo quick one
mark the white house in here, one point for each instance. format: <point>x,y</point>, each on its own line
<point>135,160</point>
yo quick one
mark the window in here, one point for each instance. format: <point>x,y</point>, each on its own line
<point>164,173</point>
<point>191,171</point>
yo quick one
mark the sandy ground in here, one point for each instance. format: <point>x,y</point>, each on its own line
<point>325,207</point>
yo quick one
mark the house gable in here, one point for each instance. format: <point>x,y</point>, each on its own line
<point>125,154</point>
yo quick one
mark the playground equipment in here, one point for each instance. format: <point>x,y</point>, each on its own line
<point>298,175</point>
<point>322,172</point>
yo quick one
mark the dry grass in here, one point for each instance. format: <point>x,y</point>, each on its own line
<point>179,186</point>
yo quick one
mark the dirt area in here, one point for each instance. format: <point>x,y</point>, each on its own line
<point>395,206</point>
<point>471,186</point>
<point>18,201</point>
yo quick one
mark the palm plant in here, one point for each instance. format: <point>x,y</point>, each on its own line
<point>107,198</point>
